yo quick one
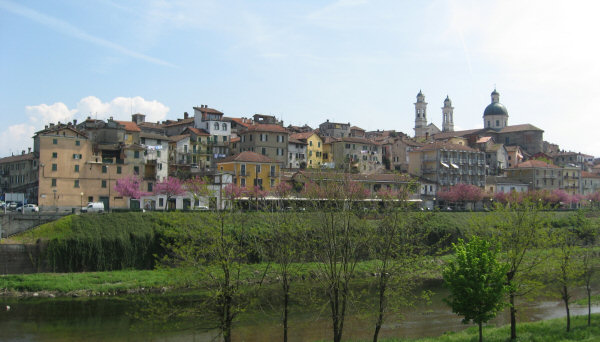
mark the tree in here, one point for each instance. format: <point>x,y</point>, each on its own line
<point>130,186</point>
<point>565,268</point>
<point>476,281</point>
<point>169,187</point>
<point>339,240</point>
<point>462,193</point>
<point>517,228</point>
<point>197,186</point>
<point>397,246</point>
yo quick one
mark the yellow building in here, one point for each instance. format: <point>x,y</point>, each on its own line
<point>250,169</point>
<point>74,171</point>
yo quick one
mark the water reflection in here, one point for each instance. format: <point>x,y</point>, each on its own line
<point>125,319</point>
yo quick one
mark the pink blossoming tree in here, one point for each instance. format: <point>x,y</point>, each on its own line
<point>169,187</point>
<point>130,186</point>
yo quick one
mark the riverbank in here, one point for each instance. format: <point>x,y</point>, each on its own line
<point>542,331</point>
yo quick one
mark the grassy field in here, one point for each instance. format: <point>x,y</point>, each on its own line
<point>542,331</point>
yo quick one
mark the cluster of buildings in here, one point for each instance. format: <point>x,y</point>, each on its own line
<point>74,163</point>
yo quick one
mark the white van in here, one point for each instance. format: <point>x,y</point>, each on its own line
<point>93,207</point>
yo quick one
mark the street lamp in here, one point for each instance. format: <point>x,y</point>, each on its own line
<point>81,194</point>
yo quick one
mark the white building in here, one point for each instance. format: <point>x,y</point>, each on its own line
<point>156,152</point>
<point>296,153</point>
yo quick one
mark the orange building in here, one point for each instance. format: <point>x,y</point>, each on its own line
<point>250,169</point>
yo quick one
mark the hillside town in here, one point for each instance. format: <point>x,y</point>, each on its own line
<point>76,163</point>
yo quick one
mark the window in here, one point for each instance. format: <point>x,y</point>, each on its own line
<point>158,153</point>
<point>224,138</point>
<point>318,144</point>
<point>136,170</point>
<point>143,140</point>
<point>161,202</point>
<point>243,182</point>
<point>90,198</point>
<point>279,151</point>
<point>310,153</point>
<point>150,186</point>
<point>136,154</point>
<point>310,143</point>
<point>54,167</point>
<point>76,168</point>
<point>53,182</point>
<point>272,182</point>
<point>347,145</point>
<point>264,151</point>
<point>243,169</point>
<point>250,137</point>
<point>103,184</point>
<point>54,154</point>
<point>497,123</point>
<point>118,170</point>
<point>272,170</point>
<point>224,126</point>
<point>216,126</point>
<point>257,169</point>
<point>54,141</point>
<point>76,183</point>
<point>77,143</point>
<point>104,168</point>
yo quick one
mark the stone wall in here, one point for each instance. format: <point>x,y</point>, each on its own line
<point>20,259</point>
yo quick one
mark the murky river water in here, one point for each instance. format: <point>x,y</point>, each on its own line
<point>116,319</point>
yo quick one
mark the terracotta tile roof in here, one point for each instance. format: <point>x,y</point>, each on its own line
<point>179,122</point>
<point>197,131</point>
<point>247,156</point>
<point>176,138</point>
<point>150,124</point>
<point>301,136</point>
<point>483,140</point>
<point>208,110</point>
<point>439,145</point>
<point>448,135</point>
<point>296,141</point>
<point>20,157</point>
<point>57,128</point>
<point>154,136</point>
<point>536,164</point>
<point>584,174</point>
<point>411,142</point>
<point>329,140</point>
<point>267,128</point>
<point>520,128</point>
<point>358,140</point>
<point>130,126</point>
<point>242,122</point>
<point>234,140</point>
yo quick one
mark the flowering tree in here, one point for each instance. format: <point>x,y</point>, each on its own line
<point>462,193</point>
<point>197,186</point>
<point>283,190</point>
<point>130,186</point>
<point>169,187</point>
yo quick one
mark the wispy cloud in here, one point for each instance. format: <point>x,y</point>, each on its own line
<point>70,30</point>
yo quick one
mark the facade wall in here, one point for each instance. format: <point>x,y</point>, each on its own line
<point>245,174</point>
<point>314,151</point>
<point>296,155</point>
<point>271,144</point>
<point>19,174</point>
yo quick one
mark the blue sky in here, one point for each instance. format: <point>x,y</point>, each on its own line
<point>356,61</point>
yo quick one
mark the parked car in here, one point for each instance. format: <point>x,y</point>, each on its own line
<point>28,208</point>
<point>202,207</point>
<point>93,207</point>
<point>12,206</point>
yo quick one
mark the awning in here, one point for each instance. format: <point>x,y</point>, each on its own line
<point>454,165</point>
<point>444,164</point>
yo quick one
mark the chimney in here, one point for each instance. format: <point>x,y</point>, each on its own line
<point>111,119</point>
<point>46,127</point>
<point>29,150</point>
<point>185,115</point>
<point>74,122</point>
<point>22,152</point>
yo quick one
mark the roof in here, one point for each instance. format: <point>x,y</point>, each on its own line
<point>20,157</point>
<point>242,122</point>
<point>179,137</point>
<point>357,140</point>
<point>197,131</point>
<point>301,136</point>
<point>494,147</point>
<point>584,174</point>
<point>296,141</point>
<point>448,135</point>
<point>483,140</point>
<point>130,126</point>
<point>267,128</point>
<point>247,156</point>
<point>154,136</point>
<point>151,124</point>
<point>495,108</point>
<point>536,164</point>
<point>56,128</point>
<point>208,110</point>
<point>512,148</point>
<point>439,145</point>
<point>520,128</point>
<point>179,122</point>
<point>357,128</point>
<point>234,140</point>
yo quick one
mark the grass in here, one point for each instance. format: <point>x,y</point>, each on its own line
<point>542,331</point>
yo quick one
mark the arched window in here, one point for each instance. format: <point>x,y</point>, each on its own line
<point>224,126</point>
<point>216,126</point>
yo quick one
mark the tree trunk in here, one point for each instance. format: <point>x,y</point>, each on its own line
<point>513,316</point>
<point>286,299</point>
<point>589,295</point>
<point>566,300</point>
<point>379,322</point>
<point>480,331</point>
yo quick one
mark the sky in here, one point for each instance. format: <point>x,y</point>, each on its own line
<point>304,61</point>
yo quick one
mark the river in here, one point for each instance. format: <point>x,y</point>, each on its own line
<point>117,319</point>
